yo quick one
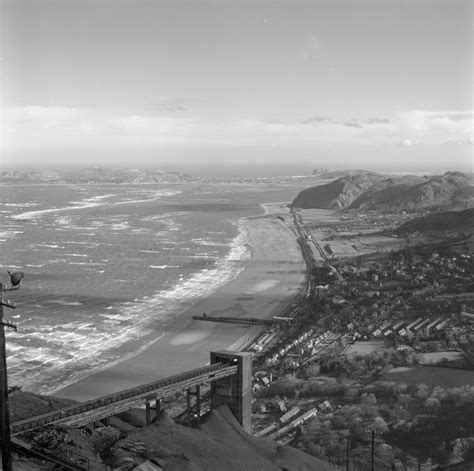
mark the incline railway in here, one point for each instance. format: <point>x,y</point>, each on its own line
<point>103,407</point>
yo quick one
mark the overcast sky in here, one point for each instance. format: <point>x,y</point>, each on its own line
<point>314,83</point>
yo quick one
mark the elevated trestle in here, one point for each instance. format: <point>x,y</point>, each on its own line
<point>103,407</point>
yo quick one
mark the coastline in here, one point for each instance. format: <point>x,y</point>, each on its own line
<point>270,278</point>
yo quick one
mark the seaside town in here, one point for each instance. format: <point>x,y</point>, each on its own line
<point>236,235</point>
<point>364,323</point>
<point>372,353</point>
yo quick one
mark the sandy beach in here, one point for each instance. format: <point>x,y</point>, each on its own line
<point>271,277</point>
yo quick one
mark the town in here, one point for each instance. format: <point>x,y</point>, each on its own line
<point>363,321</point>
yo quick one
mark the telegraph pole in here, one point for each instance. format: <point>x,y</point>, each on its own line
<point>373,451</point>
<point>4,412</point>
<point>348,453</point>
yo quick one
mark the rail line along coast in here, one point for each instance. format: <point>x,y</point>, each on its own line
<point>217,389</point>
<point>368,303</point>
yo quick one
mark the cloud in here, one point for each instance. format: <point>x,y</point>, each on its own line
<point>46,115</point>
<point>378,120</point>
<point>311,47</point>
<point>465,116</point>
<point>463,142</point>
<point>173,105</point>
<point>50,128</point>
<point>312,42</point>
<point>435,127</point>
<point>407,143</point>
<point>316,120</point>
<point>353,125</point>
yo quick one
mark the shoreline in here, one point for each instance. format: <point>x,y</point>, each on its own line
<point>273,274</point>
<point>239,252</point>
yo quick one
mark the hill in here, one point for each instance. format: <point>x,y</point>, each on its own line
<point>325,174</point>
<point>450,191</point>
<point>338,194</point>
<point>444,221</point>
<point>218,444</point>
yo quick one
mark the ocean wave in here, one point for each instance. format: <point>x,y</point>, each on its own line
<point>93,202</point>
<point>79,348</point>
<point>161,267</point>
<point>8,234</point>
<point>159,217</point>
<point>21,205</point>
<point>92,264</point>
<point>66,303</point>
<point>119,226</point>
<point>207,243</point>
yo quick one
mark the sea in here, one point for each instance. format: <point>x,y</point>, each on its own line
<point>108,267</point>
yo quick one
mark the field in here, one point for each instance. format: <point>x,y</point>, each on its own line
<point>364,348</point>
<point>436,357</point>
<point>432,376</point>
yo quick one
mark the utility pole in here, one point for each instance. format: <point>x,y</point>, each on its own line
<point>4,410</point>
<point>348,454</point>
<point>373,451</point>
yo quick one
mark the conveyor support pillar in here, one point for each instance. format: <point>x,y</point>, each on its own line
<point>235,390</point>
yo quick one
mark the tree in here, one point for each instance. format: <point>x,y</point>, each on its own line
<point>103,438</point>
<point>423,391</point>
<point>368,399</point>
<point>431,403</point>
<point>380,425</point>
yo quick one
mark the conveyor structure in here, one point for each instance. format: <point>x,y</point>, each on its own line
<point>91,411</point>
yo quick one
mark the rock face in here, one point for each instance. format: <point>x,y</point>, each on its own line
<point>338,194</point>
<point>453,190</point>
<point>455,221</point>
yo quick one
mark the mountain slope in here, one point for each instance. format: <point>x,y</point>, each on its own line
<point>219,444</point>
<point>444,221</point>
<point>338,194</point>
<point>453,190</point>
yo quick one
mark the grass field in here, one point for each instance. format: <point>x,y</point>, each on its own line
<point>364,348</point>
<point>432,376</point>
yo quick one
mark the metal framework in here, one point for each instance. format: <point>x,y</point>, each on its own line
<point>112,404</point>
<point>5,433</point>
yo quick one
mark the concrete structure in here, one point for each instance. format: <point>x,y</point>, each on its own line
<point>235,390</point>
<point>419,326</point>
<point>441,325</point>
<point>468,315</point>
<point>431,325</point>
<point>413,324</point>
<point>398,326</point>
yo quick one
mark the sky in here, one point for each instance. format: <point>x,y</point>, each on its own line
<point>246,84</point>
